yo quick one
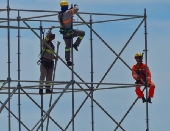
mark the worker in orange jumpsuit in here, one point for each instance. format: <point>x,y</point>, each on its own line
<point>139,74</point>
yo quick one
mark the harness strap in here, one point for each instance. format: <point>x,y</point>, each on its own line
<point>61,17</point>
<point>63,30</point>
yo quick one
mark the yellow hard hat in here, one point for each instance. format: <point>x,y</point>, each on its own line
<point>138,55</point>
<point>63,3</point>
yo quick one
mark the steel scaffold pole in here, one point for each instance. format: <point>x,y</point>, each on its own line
<point>78,23</point>
<point>70,90</point>
<point>128,111</point>
<point>55,54</point>
<point>66,82</point>
<point>72,72</point>
<point>16,117</point>
<point>53,105</point>
<point>120,52</point>
<point>42,106</point>
<point>19,71</point>
<point>104,42</point>
<point>8,99</point>
<point>9,66</point>
<point>88,95</point>
<point>51,96</point>
<point>91,53</point>
<point>146,82</point>
<point>123,15</point>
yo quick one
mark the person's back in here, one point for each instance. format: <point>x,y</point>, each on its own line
<point>48,53</point>
<point>65,17</point>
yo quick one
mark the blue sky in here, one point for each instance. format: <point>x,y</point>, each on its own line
<point>116,101</point>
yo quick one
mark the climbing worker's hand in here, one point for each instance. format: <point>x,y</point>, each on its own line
<point>75,5</point>
<point>52,27</point>
<point>56,57</point>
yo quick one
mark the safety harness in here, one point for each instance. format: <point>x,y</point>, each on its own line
<point>138,72</point>
<point>63,30</point>
<point>46,64</point>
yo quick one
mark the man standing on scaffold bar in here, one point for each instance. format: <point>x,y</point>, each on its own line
<point>65,19</point>
<point>46,60</point>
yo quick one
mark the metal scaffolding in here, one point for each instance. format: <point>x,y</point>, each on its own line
<point>91,86</point>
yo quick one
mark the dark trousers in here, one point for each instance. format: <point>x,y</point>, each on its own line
<point>68,39</point>
<point>46,73</point>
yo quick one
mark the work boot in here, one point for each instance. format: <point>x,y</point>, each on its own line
<point>69,63</point>
<point>143,99</point>
<point>48,91</point>
<point>75,47</point>
<point>149,100</point>
<point>41,91</point>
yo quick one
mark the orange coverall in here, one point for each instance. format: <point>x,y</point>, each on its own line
<point>140,70</point>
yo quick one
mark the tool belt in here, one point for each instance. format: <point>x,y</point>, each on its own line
<point>66,31</point>
<point>46,63</point>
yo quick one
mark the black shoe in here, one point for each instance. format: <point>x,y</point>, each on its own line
<point>143,99</point>
<point>75,47</point>
<point>69,63</point>
<point>41,91</point>
<point>149,100</point>
<point>48,91</point>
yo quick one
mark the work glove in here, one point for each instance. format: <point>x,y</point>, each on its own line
<point>75,5</point>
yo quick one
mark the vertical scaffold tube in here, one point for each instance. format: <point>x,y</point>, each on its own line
<point>19,70</point>
<point>9,66</point>
<point>91,54</point>
<point>41,30</point>
<point>147,113</point>
<point>72,75</point>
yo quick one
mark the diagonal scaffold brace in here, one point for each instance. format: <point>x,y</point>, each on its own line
<point>4,104</point>
<point>58,43</point>
<point>7,81</point>
<point>52,106</point>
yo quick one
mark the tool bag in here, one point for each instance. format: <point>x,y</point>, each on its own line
<point>47,64</point>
